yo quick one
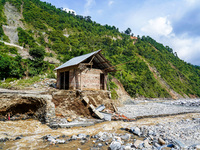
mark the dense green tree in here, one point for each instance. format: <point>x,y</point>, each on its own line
<point>128,31</point>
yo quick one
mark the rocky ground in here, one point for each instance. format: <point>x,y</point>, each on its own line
<point>149,108</point>
<point>184,134</point>
<point>177,134</point>
<point>166,131</point>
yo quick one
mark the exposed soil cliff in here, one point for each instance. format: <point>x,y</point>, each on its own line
<point>26,105</point>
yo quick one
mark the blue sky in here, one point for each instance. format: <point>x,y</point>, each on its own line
<point>175,23</point>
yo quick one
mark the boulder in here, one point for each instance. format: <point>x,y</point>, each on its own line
<point>115,145</point>
<point>135,130</point>
<point>161,141</point>
<point>137,143</point>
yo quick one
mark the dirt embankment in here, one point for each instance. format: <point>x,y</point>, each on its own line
<point>25,106</point>
<point>121,92</point>
<point>71,104</point>
<point>47,105</point>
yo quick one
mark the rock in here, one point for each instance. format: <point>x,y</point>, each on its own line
<point>81,136</point>
<point>60,141</point>
<point>74,137</point>
<point>135,130</point>
<point>128,147</point>
<point>150,132</point>
<point>156,145</point>
<point>146,144</point>
<point>100,144</point>
<point>69,120</point>
<point>63,120</point>
<point>144,131</point>
<point>118,139</point>
<point>18,138</point>
<point>197,147</point>
<point>126,137</point>
<point>115,145</point>
<point>151,137</point>
<point>161,141</point>
<point>180,144</point>
<point>4,139</point>
<point>137,143</point>
<point>82,142</point>
<point>95,148</point>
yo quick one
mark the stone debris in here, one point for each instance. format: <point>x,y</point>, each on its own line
<point>149,108</point>
<point>96,112</point>
<point>187,103</point>
<point>119,116</point>
<point>57,122</point>
<point>45,83</point>
<point>100,108</point>
<point>153,137</point>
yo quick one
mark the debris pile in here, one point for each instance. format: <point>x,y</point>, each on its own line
<point>120,116</point>
<point>45,83</point>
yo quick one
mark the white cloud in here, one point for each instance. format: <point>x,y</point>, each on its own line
<point>191,2</point>
<point>87,6</point>
<point>187,48</point>
<point>69,10</point>
<point>160,26</point>
<point>110,2</point>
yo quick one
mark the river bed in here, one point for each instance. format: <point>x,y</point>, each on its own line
<point>30,132</point>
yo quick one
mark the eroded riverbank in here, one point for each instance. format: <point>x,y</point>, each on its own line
<point>28,134</point>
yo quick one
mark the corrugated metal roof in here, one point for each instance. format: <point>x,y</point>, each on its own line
<point>76,60</point>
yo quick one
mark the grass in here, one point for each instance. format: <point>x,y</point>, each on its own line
<point>19,83</point>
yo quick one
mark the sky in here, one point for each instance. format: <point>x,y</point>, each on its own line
<point>175,23</point>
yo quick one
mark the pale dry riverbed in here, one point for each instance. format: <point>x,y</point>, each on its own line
<point>27,134</point>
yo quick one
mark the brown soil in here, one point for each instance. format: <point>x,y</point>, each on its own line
<point>71,103</point>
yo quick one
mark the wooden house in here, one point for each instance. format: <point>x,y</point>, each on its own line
<point>86,72</point>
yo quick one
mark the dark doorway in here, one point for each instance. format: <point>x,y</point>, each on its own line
<point>67,80</point>
<point>101,81</point>
<point>64,80</point>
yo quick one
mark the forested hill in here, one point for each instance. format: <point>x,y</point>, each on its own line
<point>144,67</point>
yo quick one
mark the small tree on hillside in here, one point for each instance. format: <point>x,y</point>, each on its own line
<point>37,64</point>
<point>128,31</point>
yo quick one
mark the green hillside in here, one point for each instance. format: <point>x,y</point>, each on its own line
<point>145,68</point>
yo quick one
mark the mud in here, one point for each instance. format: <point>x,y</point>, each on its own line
<point>32,131</point>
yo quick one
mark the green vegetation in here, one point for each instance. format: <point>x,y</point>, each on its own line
<point>11,66</point>
<point>37,65</point>
<point>25,38</point>
<point>69,36</point>
<point>2,21</point>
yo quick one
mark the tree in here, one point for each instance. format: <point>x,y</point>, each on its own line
<point>37,53</point>
<point>4,67</point>
<point>37,65</point>
<point>128,31</point>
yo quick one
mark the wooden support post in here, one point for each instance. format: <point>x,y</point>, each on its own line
<point>80,81</point>
<point>64,80</point>
<point>74,79</point>
<point>108,85</point>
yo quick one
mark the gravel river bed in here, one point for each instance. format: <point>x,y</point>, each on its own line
<point>160,125</point>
